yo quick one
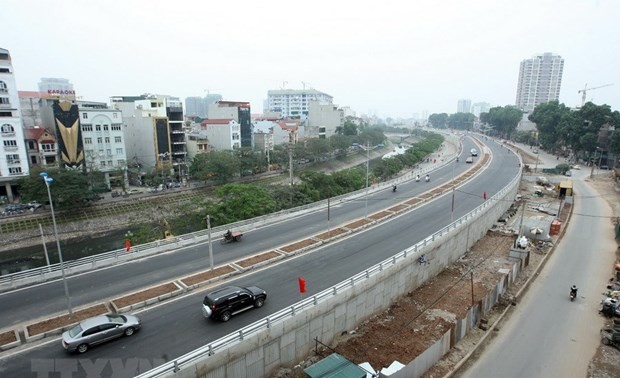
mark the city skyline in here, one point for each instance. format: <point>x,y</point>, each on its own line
<point>393,59</point>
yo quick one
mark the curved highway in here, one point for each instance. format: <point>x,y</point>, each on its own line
<point>177,327</point>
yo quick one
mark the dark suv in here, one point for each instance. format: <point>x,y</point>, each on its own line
<point>226,302</point>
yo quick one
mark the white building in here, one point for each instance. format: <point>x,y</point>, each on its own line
<point>57,87</point>
<point>294,103</point>
<point>323,119</point>
<point>223,134</point>
<point>540,79</point>
<point>480,107</point>
<point>154,134</point>
<point>13,160</point>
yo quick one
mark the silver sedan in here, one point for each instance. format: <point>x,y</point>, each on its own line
<point>97,330</point>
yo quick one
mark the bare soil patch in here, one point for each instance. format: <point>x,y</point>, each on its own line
<point>208,275</point>
<point>414,201</point>
<point>65,320</point>
<point>7,337</point>
<point>380,215</point>
<point>257,259</point>
<point>299,245</point>
<point>331,233</point>
<point>143,295</point>
<point>397,208</point>
<point>357,224</point>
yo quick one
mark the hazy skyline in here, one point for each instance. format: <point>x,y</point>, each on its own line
<point>389,58</point>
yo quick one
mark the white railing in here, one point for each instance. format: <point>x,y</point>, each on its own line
<point>265,323</point>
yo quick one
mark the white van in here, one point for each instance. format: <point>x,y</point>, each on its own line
<point>474,152</point>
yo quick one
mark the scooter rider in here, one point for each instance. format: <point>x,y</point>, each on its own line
<point>417,177</point>
<point>393,188</point>
<point>428,178</point>
<point>573,291</point>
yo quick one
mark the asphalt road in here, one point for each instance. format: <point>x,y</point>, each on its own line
<point>177,327</point>
<point>547,335</point>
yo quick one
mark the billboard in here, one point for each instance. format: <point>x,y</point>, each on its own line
<point>68,134</point>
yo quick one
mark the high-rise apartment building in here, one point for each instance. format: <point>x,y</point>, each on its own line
<point>540,79</point>
<point>294,103</point>
<point>463,106</point>
<point>13,157</point>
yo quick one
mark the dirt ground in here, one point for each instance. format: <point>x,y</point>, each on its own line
<point>415,321</point>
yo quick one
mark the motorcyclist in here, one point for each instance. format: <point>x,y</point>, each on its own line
<point>417,177</point>
<point>428,178</point>
<point>228,234</point>
<point>573,291</point>
<point>457,159</point>
<point>393,188</point>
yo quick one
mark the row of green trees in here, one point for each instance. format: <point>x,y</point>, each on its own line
<point>501,120</point>
<point>233,202</point>
<point>561,128</point>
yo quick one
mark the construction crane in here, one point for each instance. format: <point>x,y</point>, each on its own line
<point>586,89</point>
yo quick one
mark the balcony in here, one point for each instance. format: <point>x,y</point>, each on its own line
<point>7,133</point>
<point>13,162</point>
<point>11,148</point>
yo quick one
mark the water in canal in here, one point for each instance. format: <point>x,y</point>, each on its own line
<point>20,259</point>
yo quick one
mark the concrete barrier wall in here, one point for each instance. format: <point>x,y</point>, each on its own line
<point>290,340</point>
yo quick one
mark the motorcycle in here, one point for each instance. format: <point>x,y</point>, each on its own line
<point>417,178</point>
<point>394,188</point>
<point>427,179</point>
<point>572,294</point>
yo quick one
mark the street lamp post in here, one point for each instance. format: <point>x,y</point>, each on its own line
<point>367,148</point>
<point>47,181</point>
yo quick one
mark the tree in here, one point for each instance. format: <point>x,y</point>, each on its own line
<point>504,119</point>
<point>348,128</point>
<point>461,121</point>
<point>219,165</point>
<point>438,121</point>
<point>70,189</point>
<point>241,201</point>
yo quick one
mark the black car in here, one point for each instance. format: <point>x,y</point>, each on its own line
<point>231,300</point>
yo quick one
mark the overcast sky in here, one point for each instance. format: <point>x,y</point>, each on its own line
<point>389,58</point>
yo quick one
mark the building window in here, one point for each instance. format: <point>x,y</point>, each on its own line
<point>4,101</point>
<point>106,127</point>
<point>119,151</point>
<point>98,127</point>
<point>7,129</point>
<point>110,163</point>
<point>3,87</point>
<point>33,160</point>
<point>107,139</point>
<point>15,171</point>
<point>99,140</point>
<point>116,127</point>
<point>121,163</point>
<point>118,139</point>
<point>103,163</point>
<point>84,115</point>
<point>10,143</point>
<point>12,159</point>
<point>87,127</point>
<point>88,140</point>
<point>108,152</point>
<point>6,114</point>
<point>100,152</point>
<point>48,147</point>
<point>32,145</point>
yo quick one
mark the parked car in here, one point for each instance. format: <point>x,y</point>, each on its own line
<point>97,330</point>
<point>231,300</point>
<point>568,173</point>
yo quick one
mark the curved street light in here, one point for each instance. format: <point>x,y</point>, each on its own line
<point>48,180</point>
<point>367,148</point>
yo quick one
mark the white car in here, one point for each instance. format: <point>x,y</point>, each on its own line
<point>576,166</point>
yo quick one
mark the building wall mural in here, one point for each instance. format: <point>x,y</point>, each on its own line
<point>68,134</point>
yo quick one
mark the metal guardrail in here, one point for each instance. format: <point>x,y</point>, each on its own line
<point>265,323</point>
